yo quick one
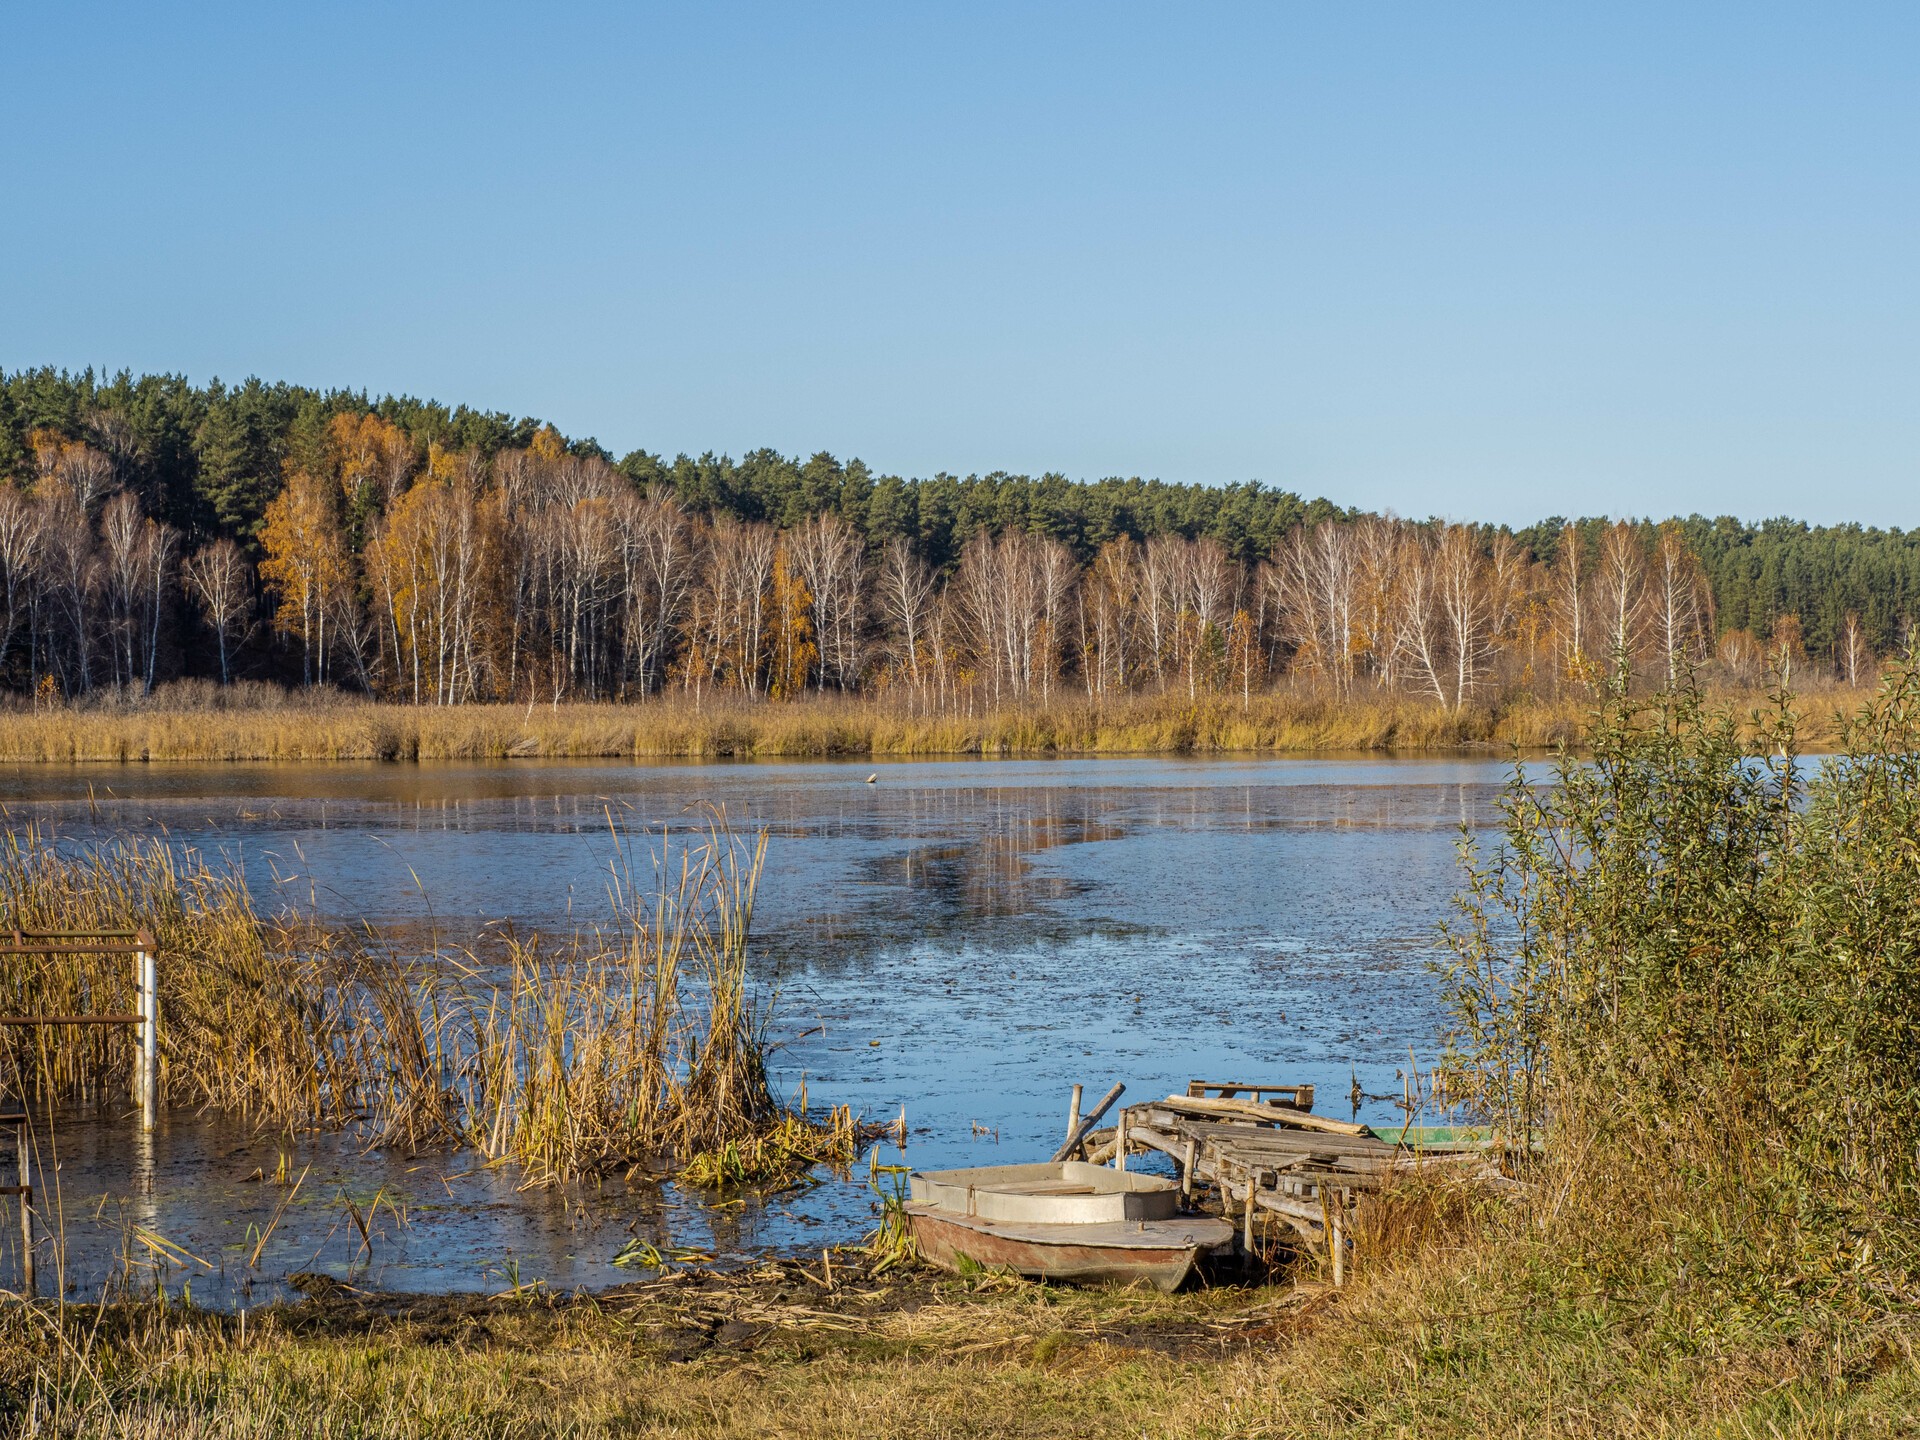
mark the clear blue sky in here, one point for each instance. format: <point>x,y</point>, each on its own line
<point>1485,261</point>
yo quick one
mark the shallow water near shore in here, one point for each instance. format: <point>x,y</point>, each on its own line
<point>966,939</point>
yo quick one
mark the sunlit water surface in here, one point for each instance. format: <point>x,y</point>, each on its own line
<point>964,939</point>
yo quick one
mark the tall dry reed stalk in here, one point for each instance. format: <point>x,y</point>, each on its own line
<point>641,1048</point>
<point>316,728</point>
<point>250,1021</point>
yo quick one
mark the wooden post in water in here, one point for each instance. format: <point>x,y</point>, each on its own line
<point>1339,1242</point>
<point>148,973</point>
<point>1073,1114</point>
<point>26,1207</point>
<point>1087,1122</point>
<point>1186,1171</point>
<point>137,1080</point>
<point>1326,1221</point>
<point>1120,1141</point>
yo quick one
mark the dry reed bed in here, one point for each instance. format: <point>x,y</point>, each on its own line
<point>671,729</point>
<point>331,727</point>
<point>638,1048</point>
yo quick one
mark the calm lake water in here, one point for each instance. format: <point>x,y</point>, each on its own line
<point>966,939</point>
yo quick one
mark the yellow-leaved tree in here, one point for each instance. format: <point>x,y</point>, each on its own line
<point>794,650</point>
<point>371,459</point>
<point>434,567</point>
<point>306,565</point>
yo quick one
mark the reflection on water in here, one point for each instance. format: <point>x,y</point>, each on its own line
<point>966,939</point>
<point>230,1214</point>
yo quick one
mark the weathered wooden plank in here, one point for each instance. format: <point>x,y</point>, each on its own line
<point>1260,1114</point>
<point>1228,1132</point>
<point>1171,1144</point>
<point>1287,1205</point>
<point>1297,1097</point>
<point>1217,1132</point>
<point>1217,1164</point>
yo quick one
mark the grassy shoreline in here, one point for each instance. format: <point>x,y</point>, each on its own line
<point>1475,1343</point>
<point>195,725</point>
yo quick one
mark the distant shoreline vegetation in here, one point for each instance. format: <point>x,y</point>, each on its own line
<point>200,722</point>
<point>153,532</point>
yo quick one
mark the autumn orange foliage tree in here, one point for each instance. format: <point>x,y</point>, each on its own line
<point>306,565</point>
<point>794,652</point>
<point>401,562</point>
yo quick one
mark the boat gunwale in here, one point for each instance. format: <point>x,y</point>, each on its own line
<point>1002,1193</point>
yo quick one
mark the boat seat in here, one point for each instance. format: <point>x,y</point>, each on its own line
<point>1044,1187</point>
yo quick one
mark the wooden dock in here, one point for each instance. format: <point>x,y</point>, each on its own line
<point>1268,1154</point>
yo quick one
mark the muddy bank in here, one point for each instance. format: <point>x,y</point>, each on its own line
<point>789,1309</point>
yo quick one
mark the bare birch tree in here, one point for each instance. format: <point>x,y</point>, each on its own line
<point>68,589</point>
<point>1377,542</point>
<point>1855,656</point>
<point>1678,601</point>
<point>1620,590</point>
<point>1420,627</point>
<point>121,577</point>
<point>1471,609</point>
<point>659,559</point>
<point>19,547</point>
<point>1316,578</point>
<point>1158,602</point>
<point>830,558</point>
<point>219,580</point>
<point>1110,602</point>
<point>1568,606</point>
<point>739,571</point>
<point>906,595</point>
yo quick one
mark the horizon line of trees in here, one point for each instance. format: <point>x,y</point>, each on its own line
<point>150,529</point>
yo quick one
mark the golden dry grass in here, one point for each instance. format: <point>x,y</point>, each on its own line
<point>192,722</point>
<point>184,726</point>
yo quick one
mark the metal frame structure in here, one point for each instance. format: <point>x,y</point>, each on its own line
<point>141,946</point>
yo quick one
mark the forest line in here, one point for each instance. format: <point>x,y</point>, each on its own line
<point>436,557</point>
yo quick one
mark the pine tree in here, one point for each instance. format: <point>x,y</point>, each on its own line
<point>236,477</point>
